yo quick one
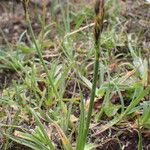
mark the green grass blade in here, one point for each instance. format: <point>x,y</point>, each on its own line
<point>26,143</point>
<point>41,126</point>
<point>137,100</point>
<point>140,147</point>
<point>81,128</point>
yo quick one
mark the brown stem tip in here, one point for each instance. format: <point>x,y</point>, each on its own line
<point>99,18</point>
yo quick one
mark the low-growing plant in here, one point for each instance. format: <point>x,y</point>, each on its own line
<point>52,95</point>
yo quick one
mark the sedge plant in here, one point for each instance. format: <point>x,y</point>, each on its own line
<point>38,49</point>
<point>99,18</point>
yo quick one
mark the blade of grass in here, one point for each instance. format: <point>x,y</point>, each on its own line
<point>44,65</point>
<point>25,142</point>
<point>137,100</point>
<point>63,137</point>
<point>99,18</point>
<point>32,138</point>
<point>140,147</point>
<point>41,126</point>
<point>81,127</point>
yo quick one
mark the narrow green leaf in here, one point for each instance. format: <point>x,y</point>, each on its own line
<point>137,100</point>
<point>41,126</point>
<point>26,143</point>
<point>81,127</point>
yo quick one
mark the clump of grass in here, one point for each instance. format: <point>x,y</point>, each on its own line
<point>45,105</point>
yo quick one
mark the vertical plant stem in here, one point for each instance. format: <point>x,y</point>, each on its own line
<point>99,11</point>
<point>95,78</point>
<point>25,6</point>
<point>41,58</point>
<point>43,64</point>
<point>140,143</point>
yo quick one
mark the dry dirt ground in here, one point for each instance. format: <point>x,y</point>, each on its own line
<point>13,24</point>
